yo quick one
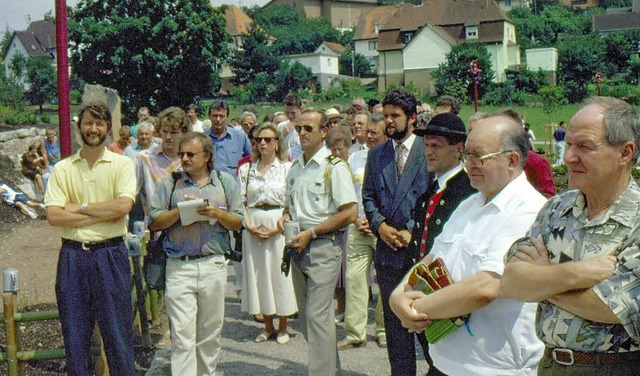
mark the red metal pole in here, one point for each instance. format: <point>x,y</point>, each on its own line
<point>475,94</point>
<point>64,105</point>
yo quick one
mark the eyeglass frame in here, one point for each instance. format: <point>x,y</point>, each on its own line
<point>189,154</point>
<point>267,140</point>
<point>306,128</point>
<point>464,156</point>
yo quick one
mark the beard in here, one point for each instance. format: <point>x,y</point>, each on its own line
<point>86,141</point>
<point>398,134</point>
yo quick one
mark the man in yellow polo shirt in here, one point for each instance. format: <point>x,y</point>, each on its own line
<point>89,196</point>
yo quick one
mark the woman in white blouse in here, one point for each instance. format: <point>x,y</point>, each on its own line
<point>263,183</point>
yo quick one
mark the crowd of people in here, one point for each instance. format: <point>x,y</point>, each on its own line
<point>527,281</point>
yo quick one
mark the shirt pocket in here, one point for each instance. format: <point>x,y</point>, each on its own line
<point>318,197</point>
<point>461,256</point>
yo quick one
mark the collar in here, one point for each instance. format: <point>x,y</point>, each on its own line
<point>225,134</point>
<point>318,157</point>
<point>213,178</point>
<point>513,188</point>
<point>621,210</point>
<point>107,156</point>
<point>408,143</point>
<point>442,180</point>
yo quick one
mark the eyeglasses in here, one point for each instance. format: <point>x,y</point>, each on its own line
<point>188,154</point>
<point>307,128</point>
<point>477,159</point>
<point>265,139</point>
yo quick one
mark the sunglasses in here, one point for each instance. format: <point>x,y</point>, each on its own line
<point>189,154</point>
<point>265,139</point>
<point>307,128</point>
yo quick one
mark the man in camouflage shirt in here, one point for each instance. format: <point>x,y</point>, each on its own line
<point>582,262</point>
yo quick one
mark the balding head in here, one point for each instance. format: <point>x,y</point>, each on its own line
<point>494,154</point>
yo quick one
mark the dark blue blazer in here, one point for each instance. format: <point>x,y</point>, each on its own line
<point>385,199</point>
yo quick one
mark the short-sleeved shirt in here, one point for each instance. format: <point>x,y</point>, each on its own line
<point>152,165</point>
<point>316,190</point>
<point>357,162</point>
<point>53,151</point>
<point>199,237</point>
<point>132,150</point>
<point>269,189</point>
<point>559,134</point>
<point>475,239</point>
<point>569,236</point>
<point>111,177</point>
<point>233,145</point>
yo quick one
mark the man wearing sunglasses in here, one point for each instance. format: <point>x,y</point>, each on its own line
<point>498,337</point>
<point>196,270</point>
<point>321,198</point>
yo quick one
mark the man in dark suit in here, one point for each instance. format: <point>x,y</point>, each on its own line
<point>395,175</point>
<point>444,139</point>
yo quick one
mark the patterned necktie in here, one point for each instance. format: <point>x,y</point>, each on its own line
<point>400,159</point>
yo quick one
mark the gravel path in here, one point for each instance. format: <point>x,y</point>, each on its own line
<point>242,356</point>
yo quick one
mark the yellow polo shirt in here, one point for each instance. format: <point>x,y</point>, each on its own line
<point>112,176</point>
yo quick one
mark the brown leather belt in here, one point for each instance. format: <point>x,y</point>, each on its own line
<point>568,357</point>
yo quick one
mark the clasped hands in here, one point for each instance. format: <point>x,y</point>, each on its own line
<point>401,302</point>
<point>394,238</point>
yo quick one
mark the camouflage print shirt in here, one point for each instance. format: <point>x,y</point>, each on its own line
<point>570,236</point>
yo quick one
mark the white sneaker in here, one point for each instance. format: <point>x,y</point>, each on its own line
<point>32,214</point>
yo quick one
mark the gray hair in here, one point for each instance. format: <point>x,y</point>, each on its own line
<point>249,114</point>
<point>145,125</point>
<point>621,122</point>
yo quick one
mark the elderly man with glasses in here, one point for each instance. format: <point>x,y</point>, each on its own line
<point>498,337</point>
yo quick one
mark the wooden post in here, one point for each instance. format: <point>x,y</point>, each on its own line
<point>10,330</point>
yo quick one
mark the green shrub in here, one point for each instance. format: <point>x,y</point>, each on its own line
<point>75,96</point>
<point>45,118</point>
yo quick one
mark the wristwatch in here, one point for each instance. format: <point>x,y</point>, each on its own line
<point>313,233</point>
<point>84,207</point>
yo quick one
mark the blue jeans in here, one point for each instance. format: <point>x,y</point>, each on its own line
<point>96,285</point>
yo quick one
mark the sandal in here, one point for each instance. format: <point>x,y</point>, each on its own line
<point>264,336</point>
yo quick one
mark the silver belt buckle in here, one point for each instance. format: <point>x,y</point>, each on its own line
<point>85,247</point>
<point>554,353</point>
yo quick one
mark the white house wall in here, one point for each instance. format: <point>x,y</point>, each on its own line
<point>362,48</point>
<point>426,51</point>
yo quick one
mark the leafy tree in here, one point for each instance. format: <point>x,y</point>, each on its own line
<point>295,33</point>
<point>618,47</point>
<point>529,81</point>
<point>579,59</point>
<point>290,77</point>
<point>41,76</point>
<point>5,43</point>
<point>615,3</point>
<point>256,56</point>
<point>552,98</point>
<point>11,94</point>
<point>18,66</point>
<point>452,77</point>
<point>544,28</point>
<point>156,53</point>
<point>361,65</point>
